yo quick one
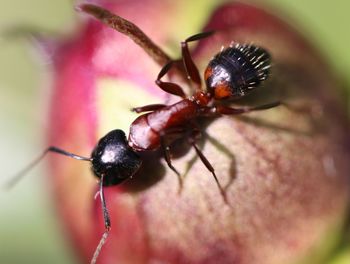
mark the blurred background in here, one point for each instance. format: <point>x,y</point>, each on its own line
<point>29,230</point>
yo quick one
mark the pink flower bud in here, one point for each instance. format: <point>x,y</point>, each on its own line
<point>284,170</point>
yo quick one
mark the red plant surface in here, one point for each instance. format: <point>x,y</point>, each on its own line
<point>285,169</point>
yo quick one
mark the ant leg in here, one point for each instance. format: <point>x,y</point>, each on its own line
<point>107,223</point>
<point>191,68</point>
<point>207,164</point>
<point>169,87</point>
<point>148,108</point>
<point>224,110</point>
<point>23,172</point>
<point>166,152</point>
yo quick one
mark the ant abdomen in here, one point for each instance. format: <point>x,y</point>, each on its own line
<point>237,70</point>
<point>113,159</point>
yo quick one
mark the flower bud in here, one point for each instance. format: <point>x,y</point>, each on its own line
<point>284,170</point>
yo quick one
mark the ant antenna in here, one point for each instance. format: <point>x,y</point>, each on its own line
<point>25,170</point>
<point>107,222</point>
<point>106,217</point>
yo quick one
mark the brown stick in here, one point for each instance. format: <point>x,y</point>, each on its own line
<point>129,29</point>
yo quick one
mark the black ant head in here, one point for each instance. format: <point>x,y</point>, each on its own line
<point>113,159</point>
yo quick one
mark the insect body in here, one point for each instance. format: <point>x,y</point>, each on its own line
<point>231,74</point>
<point>146,131</point>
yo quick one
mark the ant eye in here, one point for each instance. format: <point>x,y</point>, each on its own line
<point>114,159</point>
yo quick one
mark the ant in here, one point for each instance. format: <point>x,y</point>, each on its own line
<point>231,74</point>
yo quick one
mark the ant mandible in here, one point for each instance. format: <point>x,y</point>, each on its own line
<point>231,74</point>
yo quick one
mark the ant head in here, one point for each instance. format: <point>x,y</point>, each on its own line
<point>114,159</point>
<point>236,71</point>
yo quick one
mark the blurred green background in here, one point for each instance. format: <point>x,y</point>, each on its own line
<point>29,231</point>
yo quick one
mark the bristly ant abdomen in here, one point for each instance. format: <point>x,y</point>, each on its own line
<point>231,74</point>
